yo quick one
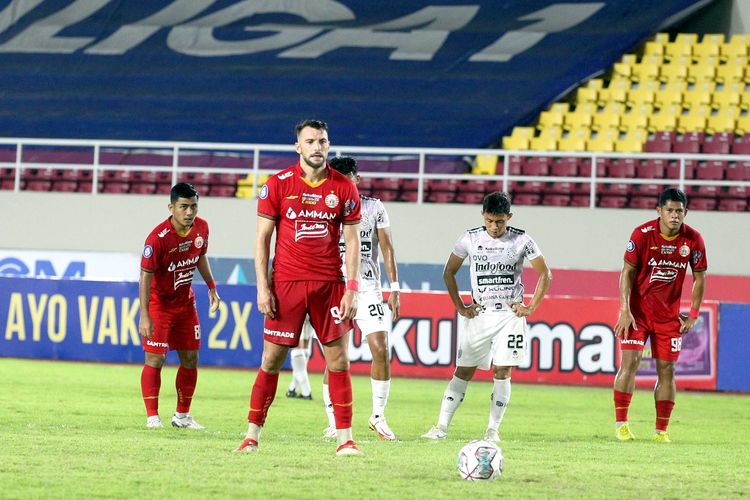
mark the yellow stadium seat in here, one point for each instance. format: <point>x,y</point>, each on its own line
<point>586,107</point>
<point>674,50</point>
<point>745,100</point>
<point>633,121</point>
<point>713,38</point>
<point>704,50</point>
<point>709,60</point>
<point>699,95</point>
<point>740,38</point>
<point>652,59</point>
<point>543,144</point>
<point>560,107</point>
<point>733,50</point>
<point>686,38</point>
<point>527,132</point>
<point>641,95</point>
<point>485,165</point>
<point>633,141</point>
<point>701,73</point>
<point>614,107</point>
<point>653,49</point>
<point>691,123</point>
<point>575,140</point>
<point>730,95</point>
<point>595,83</point>
<point>719,123</point>
<point>629,59</point>
<point>550,119</point>
<point>671,94</point>
<point>730,73</point>
<point>516,143</point>
<point>662,122</point>
<point>661,38</point>
<point>621,70</point>
<point>586,94</point>
<point>577,119</point>
<point>600,145</point>
<point>644,72</point>
<point>742,126</point>
<point>612,95</point>
<point>673,72</point>
<point>605,120</point>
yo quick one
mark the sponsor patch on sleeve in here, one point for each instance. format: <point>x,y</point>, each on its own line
<point>631,246</point>
<point>264,192</point>
<point>148,251</point>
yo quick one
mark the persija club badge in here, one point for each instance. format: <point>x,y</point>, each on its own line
<point>332,201</point>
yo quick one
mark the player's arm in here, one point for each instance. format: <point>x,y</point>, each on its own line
<point>699,287</point>
<point>213,295</point>
<point>544,278</point>
<point>391,270</point>
<point>625,319</point>
<point>348,305</point>
<point>264,232</point>
<point>449,276</point>
<point>145,325</point>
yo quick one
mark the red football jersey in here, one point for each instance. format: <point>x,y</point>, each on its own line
<point>662,264</point>
<point>308,223</point>
<point>173,259</point>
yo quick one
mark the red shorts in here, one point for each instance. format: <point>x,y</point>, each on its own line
<point>176,330</point>
<point>666,340</point>
<point>297,299</point>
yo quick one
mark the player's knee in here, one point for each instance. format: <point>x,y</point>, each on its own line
<point>155,360</point>
<point>501,372</point>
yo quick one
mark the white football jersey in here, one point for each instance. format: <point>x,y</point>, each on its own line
<point>374,217</point>
<point>496,265</point>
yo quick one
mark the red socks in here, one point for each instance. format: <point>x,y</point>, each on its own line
<point>622,403</point>
<point>150,385</point>
<point>185,384</point>
<point>264,391</point>
<point>340,387</point>
<point>663,412</point>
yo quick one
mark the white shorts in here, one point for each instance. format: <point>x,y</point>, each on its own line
<point>492,339</point>
<point>370,316</point>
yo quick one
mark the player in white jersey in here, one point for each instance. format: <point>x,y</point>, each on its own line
<point>495,332</point>
<point>375,236</point>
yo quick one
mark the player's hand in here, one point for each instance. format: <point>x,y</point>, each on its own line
<point>470,311</point>
<point>394,303</point>
<point>146,326</point>
<point>266,302</point>
<point>215,300</point>
<point>687,323</point>
<point>624,321</point>
<point>521,309</point>
<point>348,305</point>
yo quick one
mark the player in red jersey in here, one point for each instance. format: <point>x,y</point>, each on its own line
<point>173,251</point>
<point>307,205</point>
<point>656,261</point>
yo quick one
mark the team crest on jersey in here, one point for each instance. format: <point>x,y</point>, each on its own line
<point>290,214</point>
<point>199,242</point>
<point>148,251</point>
<point>349,207</point>
<point>684,250</point>
<point>697,256</point>
<point>332,201</point>
<point>631,246</point>
<point>263,192</point>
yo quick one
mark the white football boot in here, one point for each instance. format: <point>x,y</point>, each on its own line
<point>435,432</point>
<point>185,422</point>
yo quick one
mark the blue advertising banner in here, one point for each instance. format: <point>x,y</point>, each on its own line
<point>734,349</point>
<point>98,321</point>
<point>417,73</point>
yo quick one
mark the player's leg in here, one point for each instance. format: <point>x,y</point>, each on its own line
<point>631,353</point>
<point>330,431</point>
<point>380,381</point>
<point>665,349</point>
<point>300,385</point>
<point>185,382</point>
<point>150,386</point>
<point>453,396</point>
<point>499,401</point>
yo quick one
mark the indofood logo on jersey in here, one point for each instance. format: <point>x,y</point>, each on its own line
<point>309,229</point>
<point>493,267</point>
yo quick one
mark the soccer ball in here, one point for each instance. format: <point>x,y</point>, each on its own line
<point>480,461</point>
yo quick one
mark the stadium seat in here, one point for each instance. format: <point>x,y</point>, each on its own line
<point>584,167</point>
<point>644,72</point>
<point>115,187</point>
<point>738,171</point>
<point>730,73</point>
<point>622,168</point>
<point>721,123</point>
<point>732,205</point>
<point>674,71</point>
<point>660,142</point>
<point>224,179</point>
<point>528,187</point>
<point>727,96</point>
<point>566,188</point>
<point>115,175</point>
<point>143,187</point>
<point>700,94</point>
<point>608,201</point>
<point>7,185</point>
<point>147,176</point>
<point>514,165</point>
<point>605,120</point>
<point>580,200</point>
<point>643,202</point>
<point>577,119</point>
<point>485,165</point>
<point>386,194</point>
<point>536,165</point>
<point>688,143</point>
<point>575,141</point>
<point>662,122</point>
<point>613,189</point>
<point>410,184</point>
<point>701,72</point>
<point>651,168</point>
<point>718,144</point>
<point>549,119</point>
<point>515,143</point>
<point>673,169</point>
<point>651,191</point>
<point>690,123</point>
<point>741,144</point>
<point>564,167</point>
<point>64,186</point>
<point>440,197</point>
<point>383,184</point>
<point>526,199</point>
<point>38,185</point>
<point>587,94</point>
<point>737,192</point>
<point>703,203</point>
<point>164,188</point>
<point>470,198</point>
<point>633,142</point>
<point>556,200</point>
<point>710,170</point>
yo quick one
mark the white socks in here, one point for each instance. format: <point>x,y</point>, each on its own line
<point>499,402</point>
<point>299,370</point>
<point>380,391</point>
<point>452,398</point>
<point>329,406</point>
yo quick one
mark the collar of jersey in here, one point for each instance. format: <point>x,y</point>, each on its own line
<point>301,174</point>
<point>669,238</point>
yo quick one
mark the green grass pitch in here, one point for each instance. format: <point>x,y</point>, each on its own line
<point>75,430</point>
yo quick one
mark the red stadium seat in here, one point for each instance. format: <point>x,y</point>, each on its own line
<point>382,183</point>
<point>608,201</point>
<point>65,174</point>
<point>564,167</point>
<point>440,197</point>
<point>536,165</point>
<point>647,191</point>
<point>470,198</point>
<point>622,168</point>
<point>556,200</point>
<point>224,179</point>
<point>564,188</point>
<point>442,185</point>
<point>613,189</point>
<point>526,199</point>
<point>673,169</point>
<point>584,167</point>
<point>642,202</point>
<point>145,176</point>
<point>703,204</point>
<point>7,173</point>
<point>408,196</point>
<point>7,185</point>
<point>409,184</point>
<point>515,165</point>
<point>84,175</point>
<point>38,185</point>
<point>580,200</point>
<point>738,171</point>
<point>732,205</point>
<point>710,170</point>
<point>143,188</point>
<point>739,192</point>
<point>116,187</point>
<point>223,191</point>
<point>163,187</point>
<point>741,145</point>
<point>386,194</point>
<point>115,176</point>
<point>40,174</point>
<point>195,178</point>
<point>651,169</point>
<point>64,186</point>
<point>718,144</point>
<point>478,186</point>
<point>365,183</point>
<point>660,142</point>
<point>528,187</point>
<point>688,143</point>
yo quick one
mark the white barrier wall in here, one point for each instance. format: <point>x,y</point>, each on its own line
<point>575,238</point>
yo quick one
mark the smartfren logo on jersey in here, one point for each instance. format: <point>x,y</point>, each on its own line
<point>309,229</point>
<point>495,279</point>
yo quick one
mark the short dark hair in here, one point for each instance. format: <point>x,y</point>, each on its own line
<point>496,203</point>
<point>673,194</point>
<point>316,124</point>
<point>182,190</point>
<point>344,164</point>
